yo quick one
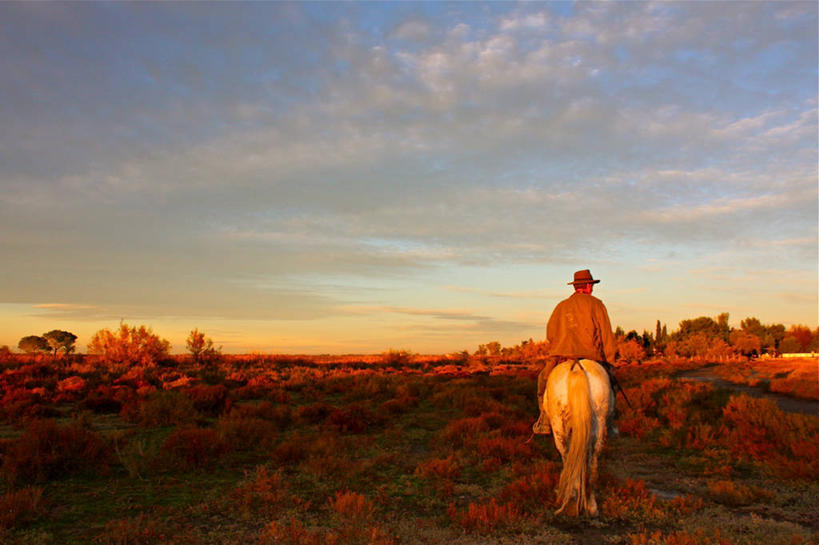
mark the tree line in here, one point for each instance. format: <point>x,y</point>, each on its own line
<point>702,337</point>
<point>124,346</point>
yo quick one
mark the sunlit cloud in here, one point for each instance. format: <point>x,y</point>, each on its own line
<point>255,168</point>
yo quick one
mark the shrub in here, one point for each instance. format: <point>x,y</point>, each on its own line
<point>128,346</point>
<point>211,400</point>
<point>759,430</point>
<point>244,433</point>
<point>280,415</point>
<point>679,538</point>
<point>484,518</point>
<point>533,491</point>
<point>192,448</point>
<point>352,506</point>
<point>439,469</point>
<point>354,418</point>
<point>293,533</point>
<point>140,530</point>
<point>313,414</point>
<point>20,507</point>
<point>105,399</point>
<point>632,500</point>
<point>261,493</point>
<point>161,409</point>
<point>47,451</point>
<point>137,455</point>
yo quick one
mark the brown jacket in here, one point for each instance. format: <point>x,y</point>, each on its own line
<point>580,328</point>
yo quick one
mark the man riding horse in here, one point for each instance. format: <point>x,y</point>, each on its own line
<point>579,328</point>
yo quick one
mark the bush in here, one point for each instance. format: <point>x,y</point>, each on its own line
<point>104,399</point>
<point>484,518</point>
<point>210,400</point>
<point>48,451</point>
<point>161,409</point>
<point>192,448</point>
<point>20,507</point>
<point>354,418</point>
<point>128,346</point>
<point>759,430</point>
<point>245,433</point>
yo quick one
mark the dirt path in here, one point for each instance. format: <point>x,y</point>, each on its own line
<point>786,403</point>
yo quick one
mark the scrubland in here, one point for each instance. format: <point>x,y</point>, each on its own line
<point>264,450</point>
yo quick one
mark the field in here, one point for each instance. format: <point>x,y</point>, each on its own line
<point>391,450</point>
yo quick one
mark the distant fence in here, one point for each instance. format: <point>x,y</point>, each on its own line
<point>802,355</point>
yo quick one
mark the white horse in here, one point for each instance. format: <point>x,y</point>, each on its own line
<point>579,400</point>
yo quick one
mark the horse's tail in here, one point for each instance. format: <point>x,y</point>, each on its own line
<point>575,465</point>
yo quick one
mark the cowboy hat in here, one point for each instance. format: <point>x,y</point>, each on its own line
<point>583,277</point>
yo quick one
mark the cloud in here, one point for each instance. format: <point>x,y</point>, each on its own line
<point>308,146</point>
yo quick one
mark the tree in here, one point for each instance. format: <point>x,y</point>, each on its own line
<point>745,343</point>
<point>802,335</point>
<point>32,344</point>
<point>129,346</point>
<point>494,348</point>
<point>57,339</point>
<point>771,335</point>
<point>630,350</point>
<point>201,347</point>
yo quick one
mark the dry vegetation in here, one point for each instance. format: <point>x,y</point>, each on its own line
<point>395,449</point>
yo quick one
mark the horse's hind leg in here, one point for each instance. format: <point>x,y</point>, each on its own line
<point>595,454</point>
<point>561,440</point>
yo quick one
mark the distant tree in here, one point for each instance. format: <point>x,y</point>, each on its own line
<point>745,343</point>
<point>201,347</point>
<point>771,335</point>
<point>802,335</point>
<point>494,348</point>
<point>699,326</point>
<point>630,350</point>
<point>58,339</point>
<point>660,338</point>
<point>790,345</point>
<point>129,346</point>
<point>32,344</point>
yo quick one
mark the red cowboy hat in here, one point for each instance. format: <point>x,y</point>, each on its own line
<point>583,277</point>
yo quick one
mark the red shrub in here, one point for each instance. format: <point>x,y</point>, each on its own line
<point>244,433</point>
<point>505,449</point>
<point>161,409</point>
<point>20,507</point>
<point>47,451</point>
<point>261,493</point>
<point>211,400</point>
<point>192,448</point>
<point>631,500</point>
<point>140,530</point>
<point>294,533</point>
<point>679,538</point>
<point>290,452</point>
<point>313,414</point>
<point>354,418</point>
<point>107,399</point>
<point>486,517</point>
<point>533,491</point>
<point>758,429</point>
<point>352,506</point>
<point>400,404</point>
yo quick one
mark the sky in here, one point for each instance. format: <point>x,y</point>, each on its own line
<point>357,177</point>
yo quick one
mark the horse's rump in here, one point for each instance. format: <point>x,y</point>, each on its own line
<point>579,398</point>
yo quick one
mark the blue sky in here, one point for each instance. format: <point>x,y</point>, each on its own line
<point>345,177</point>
